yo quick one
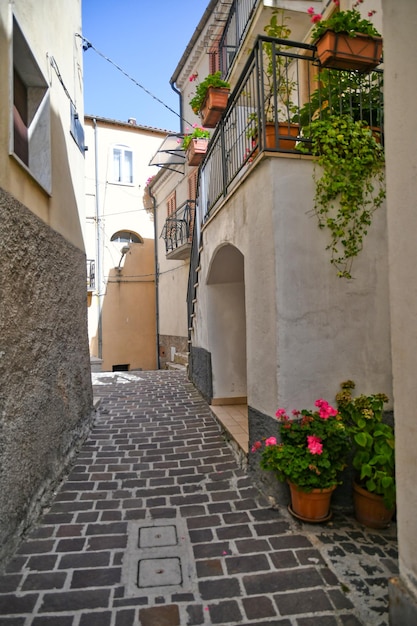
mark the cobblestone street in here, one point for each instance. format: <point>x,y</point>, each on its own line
<point>157,525</point>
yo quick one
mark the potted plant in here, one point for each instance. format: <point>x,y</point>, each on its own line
<point>278,108</point>
<point>310,456</point>
<point>373,455</point>
<point>195,144</point>
<point>279,88</point>
<point>345,92</point>
<point>210,99</point>
<point>346,40</point>
<point>350,186</point>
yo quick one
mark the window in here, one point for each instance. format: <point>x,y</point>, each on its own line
<point>126,236</point>
<point>122,165</point>
<point>30,136</point>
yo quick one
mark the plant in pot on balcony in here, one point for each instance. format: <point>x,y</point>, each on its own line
<point>195,144</point>
<point>350,185</point>
<point>310,456</point>
<point>344,92</point>
<point>346,40</point>
<point>278,108</point>
<point>373,455</point>
<point>210,98</point>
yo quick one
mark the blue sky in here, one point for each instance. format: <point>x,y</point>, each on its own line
<point>146,39</point>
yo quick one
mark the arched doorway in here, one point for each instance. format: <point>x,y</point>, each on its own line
<point>226,322</point>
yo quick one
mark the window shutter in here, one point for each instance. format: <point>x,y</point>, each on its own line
<point>20,119</point>
<point>214,57</point>
<point>171,204</point>
<point>192,185</point>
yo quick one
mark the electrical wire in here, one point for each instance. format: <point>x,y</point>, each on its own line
<point>87,44</point>
<point>55,67</point>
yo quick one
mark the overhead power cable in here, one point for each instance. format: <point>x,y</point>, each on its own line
<point>54,65</point>
<point>87,44</point>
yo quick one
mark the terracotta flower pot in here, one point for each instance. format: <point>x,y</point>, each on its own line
<point>370,509</point>
<point>196,151</point>
<point>311,506</point>
<point>284,130</point>
<point>213,106</point>
<point>338,50</point>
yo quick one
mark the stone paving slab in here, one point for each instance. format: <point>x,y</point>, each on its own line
<point>157,525</point>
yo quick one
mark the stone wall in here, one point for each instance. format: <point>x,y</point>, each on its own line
<point>45,391</point>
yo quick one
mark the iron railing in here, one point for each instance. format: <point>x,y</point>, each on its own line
<point>281,90</point>
<point>237,22</point>
<point>178,227</point>
<point>91,274</point>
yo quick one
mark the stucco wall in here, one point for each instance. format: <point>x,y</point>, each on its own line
<point>307,329</point>
<point>46,396</point>
<point>49,28</point>
<point>173,274</point>
<point>400,91</point>
<point>330,329</point>
<point>128,313</point>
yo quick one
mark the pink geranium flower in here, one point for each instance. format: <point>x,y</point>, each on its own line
<point>281,414</point>
<point>271,441</point>
<point>316,18</point>
<point>314,444</point>
<point>325,410</point>
<point>256,446</point>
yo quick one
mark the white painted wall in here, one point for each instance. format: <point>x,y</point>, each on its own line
<point>400,51</point>
<point>119,207</point>
<point>307,329</point>
<point>173,274</point>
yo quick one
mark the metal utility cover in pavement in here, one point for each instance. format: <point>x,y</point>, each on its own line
<point>159,572</point>
<point>158,558</point>
<point>156,536</point>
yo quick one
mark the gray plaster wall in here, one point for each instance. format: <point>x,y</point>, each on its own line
<point>46,398</point>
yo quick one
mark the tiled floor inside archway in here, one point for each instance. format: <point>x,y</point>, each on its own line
<point>234,418</point>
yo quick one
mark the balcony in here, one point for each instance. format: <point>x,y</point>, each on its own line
<point>281,90</point>
<point>178,231</point>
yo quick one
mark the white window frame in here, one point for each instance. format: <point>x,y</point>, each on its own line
<point>121,168</point>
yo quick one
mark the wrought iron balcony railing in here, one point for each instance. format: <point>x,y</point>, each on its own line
<point>282,89</point>
<point>178,230</point>
<point>237,22</point>
<point>91,274</point>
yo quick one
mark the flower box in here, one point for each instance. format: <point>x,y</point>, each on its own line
<point>213,106</point>
<point>338,50</point>
<point>196,151</point>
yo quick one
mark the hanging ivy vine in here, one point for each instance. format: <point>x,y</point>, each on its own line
<point>350,184</point>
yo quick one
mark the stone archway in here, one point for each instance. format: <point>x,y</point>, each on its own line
<point>226,321</point>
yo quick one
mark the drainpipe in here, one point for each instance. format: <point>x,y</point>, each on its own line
<point>173,87</point>
<point>99,246</point>
<point>155,226</point>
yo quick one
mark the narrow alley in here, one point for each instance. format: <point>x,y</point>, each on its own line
<point>157,525</point>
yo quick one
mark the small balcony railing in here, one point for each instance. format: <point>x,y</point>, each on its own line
<point>237,23</point>
<point>178,231</point>
<point>91,274</point>
<point>281,90</point>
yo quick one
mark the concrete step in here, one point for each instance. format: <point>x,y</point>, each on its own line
<point>176,366</point>
<point>181,358</point>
